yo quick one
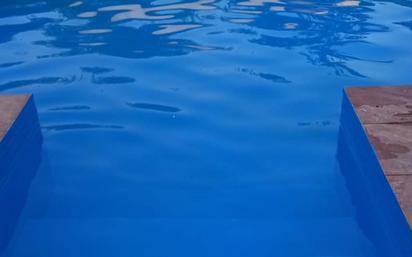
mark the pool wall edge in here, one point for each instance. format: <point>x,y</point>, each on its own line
<point>20,157</point>
<point>378,208</point>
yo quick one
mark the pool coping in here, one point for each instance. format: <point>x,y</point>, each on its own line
<point>10,108</point>
<point>385,113</point>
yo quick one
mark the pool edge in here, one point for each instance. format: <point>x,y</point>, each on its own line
<point>20,156</point>
<point>385,113</point>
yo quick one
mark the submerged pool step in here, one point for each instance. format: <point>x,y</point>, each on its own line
<point>20,147</point>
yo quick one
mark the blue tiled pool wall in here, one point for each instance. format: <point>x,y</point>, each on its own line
<point>378,211</point>
<point>20,153</point>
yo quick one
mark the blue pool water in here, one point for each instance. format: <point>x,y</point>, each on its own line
<point>195,128</point>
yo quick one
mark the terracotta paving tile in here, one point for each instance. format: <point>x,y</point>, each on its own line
<point>10,107</point>
<point>393,145</point>
<point>382,104</point>
<point>402,186</point>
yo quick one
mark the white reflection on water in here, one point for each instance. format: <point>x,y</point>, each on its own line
<point>259,2</point>
<point>247,11</point>
<point>290,6</point>
<point>87,14</point>
<point>241,20</point>
<point>277,8</point>
<point>76,4</point>
<point>302,2</point>
<point>290,25</point>
<point>95,31</point>
<point>93,44</point>
<point>136,11</point>
<point>349,3</point>
<point>162,18</point>
<point>168,29</point>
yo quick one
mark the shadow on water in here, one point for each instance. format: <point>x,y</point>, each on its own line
<point>20,156</point>
<point>377,210</point>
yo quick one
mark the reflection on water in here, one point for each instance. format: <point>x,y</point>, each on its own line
<point>76,4</point>
<point>259,2</point>
<point>95,31</point>
<point>136,11</point>
<point>319,27</point>
<point>87,14</point>
<point>238,20</point>
<point>348,3</point>
<point>169,29</point>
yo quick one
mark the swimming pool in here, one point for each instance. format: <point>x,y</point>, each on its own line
<point>195,128</point>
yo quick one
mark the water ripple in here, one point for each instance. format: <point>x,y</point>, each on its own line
<point>9,64</point>
<point>79,126</point>
<point>174,28</point>
<point>136,11</point>
<point>267,76</point>
<point>154,107</point>
<point>70,108</point>
<point>41,81</point>
<point>113,80</point>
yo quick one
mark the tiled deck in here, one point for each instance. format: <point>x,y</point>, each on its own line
<point>386,114</point>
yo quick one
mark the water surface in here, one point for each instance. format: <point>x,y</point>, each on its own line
<point>195,128</point>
